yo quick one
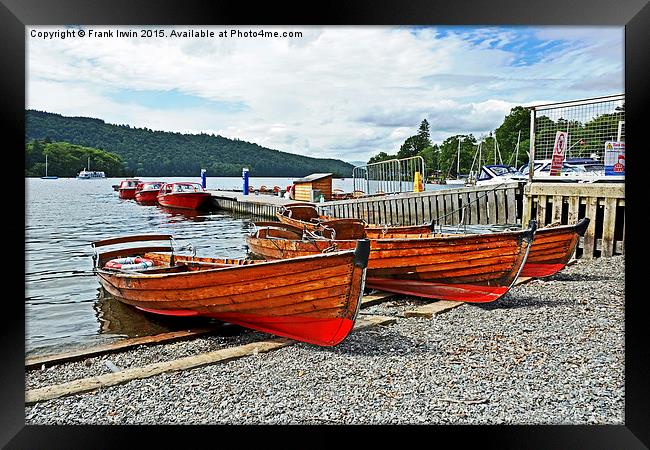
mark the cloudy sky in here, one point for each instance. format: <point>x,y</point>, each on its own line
<point>344,92</point>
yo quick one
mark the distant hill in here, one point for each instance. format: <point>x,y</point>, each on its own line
<point>162,153</point>
<point>357,163</point>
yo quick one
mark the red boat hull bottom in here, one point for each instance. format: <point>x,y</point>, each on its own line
<point>127,193</point>
<point>439,291</point>
<point>314,330</point>
<point>183,201</point>
<point>147,197</point>
<point>538,270</point>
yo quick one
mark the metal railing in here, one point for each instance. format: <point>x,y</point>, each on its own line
<point>589,124</point>
<point>388,177</point>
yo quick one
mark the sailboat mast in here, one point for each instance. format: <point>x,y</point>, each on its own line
<point>46,164</point>
<point>517,149</point>
<point>458,162</point>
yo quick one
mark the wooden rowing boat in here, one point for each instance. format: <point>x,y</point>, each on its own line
<point>468,268</point>
<point>550,252</point>
<point>312,298</point>
<point>553,248</point>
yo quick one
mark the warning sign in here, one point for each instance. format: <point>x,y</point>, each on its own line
<point>614,158</point>
<point>558,152</point>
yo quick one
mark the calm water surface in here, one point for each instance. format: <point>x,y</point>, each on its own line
<point>66,309</point>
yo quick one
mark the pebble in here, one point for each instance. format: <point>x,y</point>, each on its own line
<point>548,352</point>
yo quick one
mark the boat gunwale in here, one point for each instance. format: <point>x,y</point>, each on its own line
<point>523,232</point>
<point>261,263</point>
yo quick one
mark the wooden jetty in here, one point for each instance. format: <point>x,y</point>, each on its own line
<point>510,203</point>
<point>262,205</point>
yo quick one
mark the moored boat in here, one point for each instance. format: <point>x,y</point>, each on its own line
<point>553,248</point>
<point>469,268</point>
<point>127,188</point>
<point>146,192</point>
<point>313,299</point>
<point>184,195</point>
<point>549,253</point>
<point>497,174</point>
<point>90,174</point>
<point>48,177</point>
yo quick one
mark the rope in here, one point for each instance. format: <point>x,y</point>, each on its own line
<point>436,220</point>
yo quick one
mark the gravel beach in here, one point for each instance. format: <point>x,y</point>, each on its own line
<point>549,352</point>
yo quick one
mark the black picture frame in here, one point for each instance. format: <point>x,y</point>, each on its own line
<point>633,14</point>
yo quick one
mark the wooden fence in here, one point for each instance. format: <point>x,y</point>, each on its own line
<point>254,208</point>
<point>602,203</point>
<point>495,204</point>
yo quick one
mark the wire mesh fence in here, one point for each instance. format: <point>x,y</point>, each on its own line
<point>589,125</point>
<point>388,177</point>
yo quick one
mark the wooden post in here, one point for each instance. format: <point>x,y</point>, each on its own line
<point>473,208</point>
<point>511,205</point>
<point>590,234</point>
<point>541,210</point>
<point>501,206</point>
<point>609,220</point>
<point>557,209</point>
<point>492,207</point>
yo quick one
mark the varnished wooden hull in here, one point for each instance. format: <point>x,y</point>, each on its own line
<point>469,268</point>
<point>311,226</point>
<point>549,253</point>
<point>314,299</point>
<point>553,248</point>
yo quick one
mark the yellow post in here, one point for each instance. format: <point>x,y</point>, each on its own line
<point>417,183</point>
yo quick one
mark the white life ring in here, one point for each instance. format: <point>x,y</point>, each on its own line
<point>129,263</point>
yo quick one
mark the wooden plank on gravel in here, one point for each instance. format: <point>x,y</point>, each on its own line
<point>430,309</point>
<point>522,280</point>
<point>227,354</point>
<point>377,297</point>
<point>39,361</point>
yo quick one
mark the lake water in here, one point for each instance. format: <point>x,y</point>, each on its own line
<point>65,307</point>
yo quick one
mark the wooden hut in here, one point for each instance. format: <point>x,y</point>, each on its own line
<point>316,181</point>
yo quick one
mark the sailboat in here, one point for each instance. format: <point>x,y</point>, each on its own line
<point>46,177</point>
<point>495,173</point>
<point>88,174</point>
<point>458,180</point>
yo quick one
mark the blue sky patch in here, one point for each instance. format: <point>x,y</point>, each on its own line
<point>174,99</point>
<point>521,42</point>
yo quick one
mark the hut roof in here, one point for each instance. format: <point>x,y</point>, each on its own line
<point>313,177</point>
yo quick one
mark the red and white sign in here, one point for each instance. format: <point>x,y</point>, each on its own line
<point>558,152</point>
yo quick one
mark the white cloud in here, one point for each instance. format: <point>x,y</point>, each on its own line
<point>344,92</point>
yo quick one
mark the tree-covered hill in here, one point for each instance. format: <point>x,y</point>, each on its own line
<point>161,153</point>
<point>66,160</point>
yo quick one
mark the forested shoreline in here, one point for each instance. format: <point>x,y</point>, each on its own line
<point>145,152</point>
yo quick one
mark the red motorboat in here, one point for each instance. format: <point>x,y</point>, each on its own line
<point>127,188</point>
<point>185,195</point>
<point>147,192</point>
